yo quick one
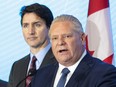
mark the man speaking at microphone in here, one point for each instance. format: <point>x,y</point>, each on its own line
<point>35,21</point>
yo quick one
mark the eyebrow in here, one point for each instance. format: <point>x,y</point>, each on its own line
<point>63,34</point>
<point>34,22</point>
<point>37,22</point>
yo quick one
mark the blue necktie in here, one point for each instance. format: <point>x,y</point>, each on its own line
<point>62,80</point>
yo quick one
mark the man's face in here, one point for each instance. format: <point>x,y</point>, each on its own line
<point>66,43</point>
<point>34,30</point>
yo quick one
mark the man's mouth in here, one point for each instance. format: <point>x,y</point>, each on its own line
<point>32,38</point>
<point>63,50</point>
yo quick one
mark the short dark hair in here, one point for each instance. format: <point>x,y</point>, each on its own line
<point>40,10</point>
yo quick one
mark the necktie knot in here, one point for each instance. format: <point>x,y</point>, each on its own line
<point>65,71</point>
<point>33,62</point>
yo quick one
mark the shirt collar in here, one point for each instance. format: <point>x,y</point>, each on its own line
<point>73,67</point>
<point>41,54</point>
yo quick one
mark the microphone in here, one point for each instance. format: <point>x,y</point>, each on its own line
<point>32,72</point>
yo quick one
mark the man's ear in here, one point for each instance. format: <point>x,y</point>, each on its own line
<point>83,38</point>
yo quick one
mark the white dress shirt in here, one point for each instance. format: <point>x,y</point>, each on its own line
<point>40,56</point>
<point>71,68</point>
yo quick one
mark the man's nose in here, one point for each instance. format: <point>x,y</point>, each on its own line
<point>61,41</point>
<point>31,30</point>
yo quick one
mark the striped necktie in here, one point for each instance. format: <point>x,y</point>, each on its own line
<point>32,67</point>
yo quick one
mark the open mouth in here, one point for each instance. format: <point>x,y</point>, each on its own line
<point>63,50</point>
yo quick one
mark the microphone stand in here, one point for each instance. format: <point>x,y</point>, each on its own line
<point>31,73</point>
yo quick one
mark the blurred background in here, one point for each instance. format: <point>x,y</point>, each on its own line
<point>12,44</point>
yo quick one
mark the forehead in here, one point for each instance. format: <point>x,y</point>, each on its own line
<point>31,17</point>
<point>57,27</point>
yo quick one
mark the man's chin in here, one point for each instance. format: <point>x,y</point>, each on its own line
<point>33,45</point>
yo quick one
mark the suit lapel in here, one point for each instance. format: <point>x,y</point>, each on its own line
<point>81,72</point>
<point>49,58</point>
<point>53,75</point>
<point>49,76</point>
<point>23,71</point>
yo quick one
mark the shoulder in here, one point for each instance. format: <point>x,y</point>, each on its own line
<point>106,73</point>
<point>44,75</point>
<point>98,72</point>
<point>96,65</point>
<point>3,83</point>
<point>49,54</point>
<point>22,60</point>
<point>47,70</point>
<point>101,64</point>
<point>50,67</point>
<point>96,62</point>
<point>103,69</point>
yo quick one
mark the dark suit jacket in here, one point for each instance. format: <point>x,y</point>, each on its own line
<point>91,72</point>
<point>3,83</point>
<point>19,69</point>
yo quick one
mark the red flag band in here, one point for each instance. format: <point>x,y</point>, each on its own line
<point>98,30</point>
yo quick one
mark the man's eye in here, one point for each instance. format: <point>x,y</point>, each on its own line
<point>67,36</point>
<point>54,38</point>
<point>25,26</point>
<point>37,25</point>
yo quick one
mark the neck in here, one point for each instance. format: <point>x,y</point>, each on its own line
<point>35,50</point>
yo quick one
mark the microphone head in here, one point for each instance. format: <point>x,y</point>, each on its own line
<point>32,72</point>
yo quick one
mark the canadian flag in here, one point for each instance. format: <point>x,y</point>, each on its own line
<point>99,40</point>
